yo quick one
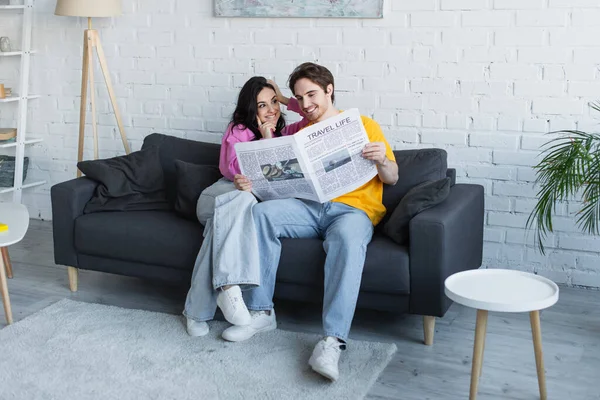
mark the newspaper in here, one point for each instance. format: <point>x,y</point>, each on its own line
<point>321,162</point>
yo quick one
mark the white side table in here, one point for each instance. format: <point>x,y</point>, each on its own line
<point>503,290</point>
<point>16,217</point>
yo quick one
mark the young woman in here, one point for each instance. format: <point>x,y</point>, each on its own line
<point>228,259</point>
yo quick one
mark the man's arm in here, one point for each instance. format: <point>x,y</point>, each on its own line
<point>387,170</point>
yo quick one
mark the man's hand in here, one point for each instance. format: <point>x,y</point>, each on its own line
<point>387,170</point>
<point>375,151</point>
<point>242,183</point>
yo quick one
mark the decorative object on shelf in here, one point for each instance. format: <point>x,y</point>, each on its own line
<point>8,91</point>
<point>2,91</point>
<point>569,170</point>
<point>296,9</point>
<point>7,133</point>
<point>5,44</point>
<point>7,170</point>
<point>91,41</point>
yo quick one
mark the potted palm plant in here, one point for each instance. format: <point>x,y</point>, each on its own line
<point>570,168</point>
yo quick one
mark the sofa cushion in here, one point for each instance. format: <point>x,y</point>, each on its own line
<point>419,198</point>
<point>146,237</point>
<point>386,267</point>
<point>131,182</point>
<point>414,168</point>
<point>172,148</point>
<point>192,179</point>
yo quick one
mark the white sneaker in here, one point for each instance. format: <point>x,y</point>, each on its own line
<point>232,305</point>
<point>196,328</point>
<point>261,322</point>
<point>325,358</point>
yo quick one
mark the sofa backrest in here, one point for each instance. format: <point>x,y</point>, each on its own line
<point>414,167</point>
<point>173,148</point>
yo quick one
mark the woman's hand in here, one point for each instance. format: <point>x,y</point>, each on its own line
<point>242,183</point>
<point>280,97</point>
<point>266,129</point>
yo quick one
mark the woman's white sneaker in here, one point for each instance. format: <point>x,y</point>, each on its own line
<point>231,303</point>
<point>325,358</point>
<point>261,322</point>
<point>196,328</point>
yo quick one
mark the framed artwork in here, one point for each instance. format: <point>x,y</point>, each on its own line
<point>299,8</point>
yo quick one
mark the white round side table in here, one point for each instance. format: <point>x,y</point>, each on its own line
<point>16,217</point>
<point>503,290</point>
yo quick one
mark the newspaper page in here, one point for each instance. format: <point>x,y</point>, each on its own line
<point>275,169</point>
<point>333,148</point>
<point>321,162</point>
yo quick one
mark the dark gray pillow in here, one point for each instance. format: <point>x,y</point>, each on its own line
<point>192,179</point>
<point>131,182</point>
<point>419,198</point>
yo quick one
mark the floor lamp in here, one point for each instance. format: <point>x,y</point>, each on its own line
<point>91,41</point>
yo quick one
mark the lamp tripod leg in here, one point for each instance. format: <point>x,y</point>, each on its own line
<point>93,92</point>
<point>111,93</point>
<point>83,105</point>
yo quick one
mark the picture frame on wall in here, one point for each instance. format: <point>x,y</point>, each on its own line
<point>299,8</point>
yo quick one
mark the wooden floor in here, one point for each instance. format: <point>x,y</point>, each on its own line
<point>570,330</point>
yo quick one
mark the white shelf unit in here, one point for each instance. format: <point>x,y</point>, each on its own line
<point>23,97</point>
<point>14,53</point>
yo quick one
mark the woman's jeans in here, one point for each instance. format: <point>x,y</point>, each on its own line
<point>346,232</point>
<point>228,256</point>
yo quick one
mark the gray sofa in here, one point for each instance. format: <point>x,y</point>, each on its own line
<point>161,245</point>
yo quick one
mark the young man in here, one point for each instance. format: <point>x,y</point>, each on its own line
<point>345,223</point>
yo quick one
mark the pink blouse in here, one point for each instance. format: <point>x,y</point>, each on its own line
<point>228,162</point>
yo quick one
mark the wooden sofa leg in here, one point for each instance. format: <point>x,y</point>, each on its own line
<point>428,329</point>
<point>73,277</point>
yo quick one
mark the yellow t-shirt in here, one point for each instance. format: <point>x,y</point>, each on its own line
<point>369,196</point>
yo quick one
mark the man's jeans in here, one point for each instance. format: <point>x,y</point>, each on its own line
<point>228,256</point>
<point>346,232</point>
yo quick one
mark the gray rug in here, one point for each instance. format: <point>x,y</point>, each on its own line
<point>74,350</point>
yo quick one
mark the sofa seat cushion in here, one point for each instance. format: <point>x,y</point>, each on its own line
<point>133,236</point>
<point>386,267</point>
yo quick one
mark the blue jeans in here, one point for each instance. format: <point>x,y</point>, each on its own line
<point>228,256</point>
<point>346,232</point>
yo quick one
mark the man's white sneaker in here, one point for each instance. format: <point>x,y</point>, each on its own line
<point>261,322</point>
<point>196,328</point>
<point>231,303</point>
<point>325,358</point>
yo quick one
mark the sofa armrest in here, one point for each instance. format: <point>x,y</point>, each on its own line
<point>451,173</point>
<point>444,240</point>
<point>68,201</point>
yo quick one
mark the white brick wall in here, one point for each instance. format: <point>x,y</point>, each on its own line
<point>484,79</point>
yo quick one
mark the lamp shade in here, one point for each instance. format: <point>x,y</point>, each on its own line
<point>88,8</point>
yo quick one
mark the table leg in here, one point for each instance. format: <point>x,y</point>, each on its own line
<point>536,332</point>
<point>483,346</point>
<point>480,331</point>
<point>4,292</point>
<point>6,260</point>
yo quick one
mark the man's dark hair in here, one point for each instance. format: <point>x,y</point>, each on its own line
<point>246,110</point>
<point>315,73</point>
